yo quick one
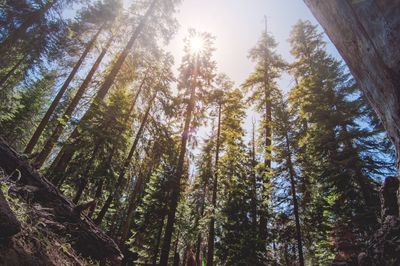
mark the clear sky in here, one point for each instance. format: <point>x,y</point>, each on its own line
<point>237,25</point>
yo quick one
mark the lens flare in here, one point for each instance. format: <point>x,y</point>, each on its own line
<point>196,44</point>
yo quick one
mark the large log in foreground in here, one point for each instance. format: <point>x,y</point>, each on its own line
<point>85,236</point>
<point>367,35</point>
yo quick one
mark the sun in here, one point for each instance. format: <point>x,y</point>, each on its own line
<point>196,44</point>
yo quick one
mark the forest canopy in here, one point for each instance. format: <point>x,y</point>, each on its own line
<point>172,172</point>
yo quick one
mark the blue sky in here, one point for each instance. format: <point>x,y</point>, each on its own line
<point>237,25</point>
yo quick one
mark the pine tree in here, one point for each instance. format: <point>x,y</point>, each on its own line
<point>196,73</point>
<point>285,172</point>
<point>238,242</point>
<point>155,10</point>
<point>224,86</point>
<point>31,99</point>
<point>330,151</point>
<point>262,85</point>
<point>102,133</point>
<point>108,18</point>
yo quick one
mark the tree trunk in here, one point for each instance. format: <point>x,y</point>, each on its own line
<point>367,35</point>
<point>177,259</point>
<point>211,232</point>
<point>127,161</point>
<point>292,175</point>
<point>97,196</point>
<point>62,159</point>
<point>158,241</point>
<point>177,182</point>
<point>84,180</point>
<point>41,158</point>
<point>45,120</point>
<point>137,192</point>
<point>199,237</point>
<point>254,179</point>
<point>64,156</point>
<point>126,226</point>
<point>267,160</point>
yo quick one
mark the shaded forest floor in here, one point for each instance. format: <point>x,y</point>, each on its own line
<point>35,244</point>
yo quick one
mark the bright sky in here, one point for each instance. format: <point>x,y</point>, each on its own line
<point>237,26</point>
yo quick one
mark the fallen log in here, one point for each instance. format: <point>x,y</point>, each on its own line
<point>84,235</point>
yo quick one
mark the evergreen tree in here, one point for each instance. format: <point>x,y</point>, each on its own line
<point>16,126</point>
<point>262,85</point>
<point>196,74</point>
<point>238,242</point>
<point>287,222</point>
<point>330,152</point>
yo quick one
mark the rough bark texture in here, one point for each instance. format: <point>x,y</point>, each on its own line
<point>68,220</point>
<point>367,35</point>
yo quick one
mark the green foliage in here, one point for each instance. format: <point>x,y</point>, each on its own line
<point>150,215</point>
<point>17,125</point>
<point>329,147</point>
<point>321,144</point>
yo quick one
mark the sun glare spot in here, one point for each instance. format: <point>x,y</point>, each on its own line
<point>196,44</point>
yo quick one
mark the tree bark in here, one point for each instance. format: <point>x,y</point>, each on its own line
<point>292,175</point>
<point>211,232</point>
<point>199,237</point>
<point>367,35</point>
<point>158,241</point>
<point>254,178</point>
<point>267,157</point>
<point>97,195</point>
<point>41,158</point>
<point>45,120</point>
